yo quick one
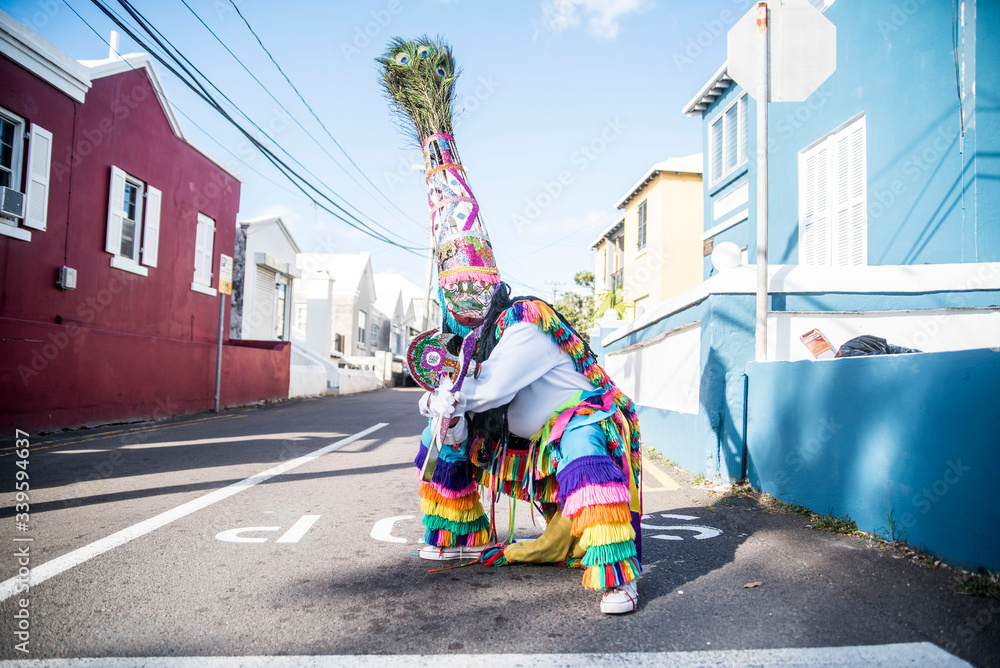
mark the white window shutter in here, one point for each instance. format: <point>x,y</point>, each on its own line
<point>858,219</point>
<point>807,207</point>
<point>841,200</point>
<point>116,203</point>
<point>821,241</point>
<point>151,228</point>
<point>39,168</point>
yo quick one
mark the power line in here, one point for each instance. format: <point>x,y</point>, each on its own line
<point>292,116</point>
<point>153,32</point>
<point>189,80</point>
<point>321,124</point>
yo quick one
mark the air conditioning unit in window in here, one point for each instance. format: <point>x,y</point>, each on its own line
<point>11,202</point>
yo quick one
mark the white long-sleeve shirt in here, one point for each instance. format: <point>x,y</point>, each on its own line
<point>529,371</point>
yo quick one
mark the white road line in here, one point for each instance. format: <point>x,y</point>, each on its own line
<point>299,529</point>
<point>52,568</point>
<point>383,529</point>
<point>903,654</point>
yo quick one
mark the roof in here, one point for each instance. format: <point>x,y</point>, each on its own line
<point>608,233</point>
<point>347,271</point>
<point>689,164</point>
<point>42,58</point>
<point>710,92</point>
<point>74,78</point>
<point>120,64</point>
<point>262,222</point>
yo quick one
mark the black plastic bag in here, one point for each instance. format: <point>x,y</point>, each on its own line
<point>866,344</point>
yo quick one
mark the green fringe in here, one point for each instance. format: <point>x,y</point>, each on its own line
<point>598,555</point>
<point>433,522</point>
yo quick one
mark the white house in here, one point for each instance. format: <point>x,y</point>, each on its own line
<point>265,267</point>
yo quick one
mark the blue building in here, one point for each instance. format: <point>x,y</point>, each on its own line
<point>884,219</point>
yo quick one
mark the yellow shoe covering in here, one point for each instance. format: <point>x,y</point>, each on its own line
<point>556,544</point>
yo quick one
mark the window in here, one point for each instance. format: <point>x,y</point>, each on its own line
<point>204,247</point>
<point>727,137</point>
<point>338,342</point>
<point>642,226</point>
<point>374,334</point>
<point>11,141</point>
<point>133,223</point>
<point>362,326</point>
<point>833,199</point>
<point>29,181</point>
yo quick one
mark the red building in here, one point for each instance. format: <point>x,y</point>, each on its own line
<point>109,310</point>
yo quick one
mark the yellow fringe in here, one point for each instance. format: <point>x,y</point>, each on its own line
<point>428,507</point>
<point>604,534</point>
<point>461,503</point>
<point>600,514</point>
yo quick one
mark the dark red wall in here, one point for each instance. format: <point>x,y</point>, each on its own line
<point>121,346</point>
<point>122,124</point>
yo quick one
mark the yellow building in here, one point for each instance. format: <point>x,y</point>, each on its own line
<point>654,251</point>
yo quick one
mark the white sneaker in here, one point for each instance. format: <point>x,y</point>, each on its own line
<point>620,600</point>
<point>435,553</point>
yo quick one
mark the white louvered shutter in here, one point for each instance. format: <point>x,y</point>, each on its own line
<point>841,200</point>
<point>858,217</point>
<point>262,323</point>
<point>204,247</point>
<point>814,216</point>
<point>39,168</point>
<point>151,228</point>
<point>116,203</point>
<point>807,208</point>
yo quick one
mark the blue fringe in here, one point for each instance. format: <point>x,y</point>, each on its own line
<point>589,470</point>
<point>455,476</point>
<point>453,324</point>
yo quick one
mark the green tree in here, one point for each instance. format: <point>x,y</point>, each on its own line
<point>576,308</point>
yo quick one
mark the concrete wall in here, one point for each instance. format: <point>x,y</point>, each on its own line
<point>353,381</point>
<point>683,362</point>
<point>913,437</point>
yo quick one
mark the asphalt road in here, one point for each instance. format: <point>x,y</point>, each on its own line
<point>210,560</point>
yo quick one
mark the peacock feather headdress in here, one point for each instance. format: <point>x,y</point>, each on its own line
<point>419,79</point>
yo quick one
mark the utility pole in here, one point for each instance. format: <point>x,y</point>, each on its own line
<point>555,285</point>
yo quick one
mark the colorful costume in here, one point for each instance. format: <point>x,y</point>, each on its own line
<point>537,418</point>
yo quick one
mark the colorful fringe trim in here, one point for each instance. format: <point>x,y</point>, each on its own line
<point>493,556</point>
<point>589,470</point>
<point>611,575</point>
<point>453,514</point>
<point>600,514</point>
<point>622,429</point>
<point>595,494</point>
<point>592,495</point>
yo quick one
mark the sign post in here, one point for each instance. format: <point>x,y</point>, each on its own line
<point>225,288</point>
<point>780,51</point>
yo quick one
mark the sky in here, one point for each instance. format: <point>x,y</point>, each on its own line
<point>563,106</point>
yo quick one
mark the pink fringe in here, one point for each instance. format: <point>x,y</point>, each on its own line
<point>471,275</point>
<point>595,495</point>
<point>450,493</point>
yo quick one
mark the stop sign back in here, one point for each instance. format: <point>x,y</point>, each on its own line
<point>803,50</point>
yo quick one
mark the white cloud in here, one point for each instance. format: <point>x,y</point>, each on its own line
<point>602,16</point>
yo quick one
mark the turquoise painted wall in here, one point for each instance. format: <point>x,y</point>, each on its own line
<point>933,195</point>
<point>710,442</point>
<point>982,191</point>
<point>914,436</point>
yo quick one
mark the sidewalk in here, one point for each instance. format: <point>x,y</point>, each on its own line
<point>769,576</point>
